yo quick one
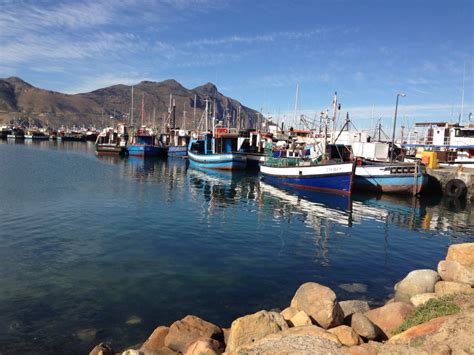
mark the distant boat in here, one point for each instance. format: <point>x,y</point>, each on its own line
<point>144,144</point>
<point>112,141</point>
<point>36,134</point>
<point>16,133</point>
<point>176,142</point>
<point>216,152</point>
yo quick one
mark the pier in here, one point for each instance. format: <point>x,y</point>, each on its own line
<point>450,178</point>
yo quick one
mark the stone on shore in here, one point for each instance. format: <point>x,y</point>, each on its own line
<point>363,349</point>
<point>346,335</point>
<point>186,331</point>
<point>422,298</point>
<point>390,316</point>
<point>353,306</point>
<point>420,330</point>
<point>309,339</point>
<point>288,313</point>
<point>203,347</point>
<point>300,319</point>
<point>454,271</point>
<point>319,303</point>
<point>252,327</point>
<point>364,326</point>
<point>450,287</point>
<point>156,340</point>
<point>462,253</point>
<point>416,282</point>
<point>102,349</point>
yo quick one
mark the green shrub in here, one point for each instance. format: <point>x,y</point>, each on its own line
<point>434,308</point>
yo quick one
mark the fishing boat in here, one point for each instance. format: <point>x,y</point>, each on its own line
<point>216,152</point>
<point>144,144</point>
<point>16,133</point>
<point>36,134</point>
<point>377,172</point>
<point>395,177</point>
<point>112,141</point>
<point>176,142</point>
<point>252,144</point>
<point>309,174</point>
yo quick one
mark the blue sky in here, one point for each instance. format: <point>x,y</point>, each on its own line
<point>255,51</point>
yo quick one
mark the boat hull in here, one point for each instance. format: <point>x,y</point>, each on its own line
<point>110,149</point>
<point>334,178</point>
<point>177,151</point>
<point>383,178</point>
<point>226,161</point>
<point>144,150</point>
<point>254,160</point>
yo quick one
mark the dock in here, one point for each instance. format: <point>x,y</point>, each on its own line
<point>451,179</point>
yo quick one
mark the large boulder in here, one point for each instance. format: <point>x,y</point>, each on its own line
<point>416,282</point>
<point>346,335</point>
<point>252,327</point>
<point>454,271</point>
<point>186,331</point>
<point>449,287</point>
<point>422,298</point>
<point>309,339</point>
<point>390,316</point>
<point>461,253</point>
<point>365,327</point>
<point>353,306</point>
<point>156,340</point>
<point>319,303</point>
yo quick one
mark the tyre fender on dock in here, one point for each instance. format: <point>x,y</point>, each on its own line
<point>455,188</point>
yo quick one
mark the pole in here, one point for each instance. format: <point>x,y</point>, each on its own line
<point>194,111</point>
<point>394,127</point>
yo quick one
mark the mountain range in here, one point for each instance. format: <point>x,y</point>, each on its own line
<point>21,103</point>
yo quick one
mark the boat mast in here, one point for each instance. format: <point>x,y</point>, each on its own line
<point>296,102</point>
<point>143,109</point>
<point>131,111</point>
<point>462,96</point>
<point>184,115</point>
<point>334,103</point>
<point>194,111</point>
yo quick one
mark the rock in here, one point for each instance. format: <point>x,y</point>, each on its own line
<point>437,349</point>
<point>133,352</point>
<point>300,319</point>
<point>226,332</point>
<point>161,351</point>
<point>363,349</point>
<point>319,303</point>
<point>156,340</point>
<point>416,282</point>
<point>449,287</point>
<point>390,316</point>
<point>186,331</point>
<point>102,349</point>
<point>346,335</point>
<point>420,330</point>
<point>309,339</point>
<point>250,328</point>
<point>288,313</point>
<point>203,347</point>
<point>86,335</point>
<point>461,253</point>
<point>422,298</point>
<point>133,320</point>
<point>453,271</point>
<point>364,327</point>
<point>354,287</point>
<point>353,306</point>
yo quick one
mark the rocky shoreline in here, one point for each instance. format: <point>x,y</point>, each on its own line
<point>432,312</point>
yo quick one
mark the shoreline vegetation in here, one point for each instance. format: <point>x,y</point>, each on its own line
<point>430,312</point>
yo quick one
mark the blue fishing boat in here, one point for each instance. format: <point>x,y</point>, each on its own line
<point>308,172</point>
<point>175,141</point>
<point>143,144</point>
<point>216,152</point>
<point>394,177</point>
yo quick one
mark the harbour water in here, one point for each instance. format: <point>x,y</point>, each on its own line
<point>104,249</point>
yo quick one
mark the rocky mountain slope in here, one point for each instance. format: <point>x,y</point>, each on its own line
<point>24,103</point>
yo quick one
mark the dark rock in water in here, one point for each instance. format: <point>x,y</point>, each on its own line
<point>186,331</point>
<point>102,349</point>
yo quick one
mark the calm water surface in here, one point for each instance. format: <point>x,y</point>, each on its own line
<point>105,249</point>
